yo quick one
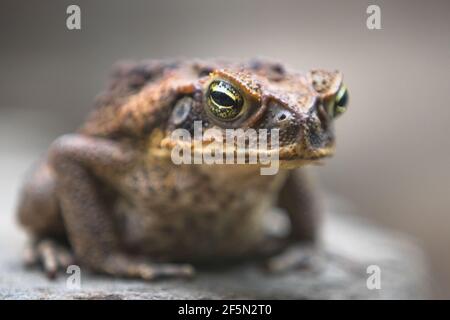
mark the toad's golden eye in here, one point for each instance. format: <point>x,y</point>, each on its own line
<point>224,100</point>
<point>340,101</point>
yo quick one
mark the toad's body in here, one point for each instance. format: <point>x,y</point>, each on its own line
<point>178,211</point>
<point>113,193</point>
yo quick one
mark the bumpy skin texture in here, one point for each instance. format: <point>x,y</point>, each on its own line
<point>110,197</point>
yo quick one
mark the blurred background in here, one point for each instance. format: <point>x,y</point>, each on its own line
<point>393,155</point>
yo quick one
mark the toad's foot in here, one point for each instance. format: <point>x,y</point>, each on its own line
<point>50,255</point>
<point>296,257</point>
<point>120,265</point>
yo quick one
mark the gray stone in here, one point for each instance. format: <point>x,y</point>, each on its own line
<point>349,246</point>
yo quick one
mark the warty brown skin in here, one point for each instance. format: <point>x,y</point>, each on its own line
<point>109,197</point>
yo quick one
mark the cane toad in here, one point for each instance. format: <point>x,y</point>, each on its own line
<point>110,197</point>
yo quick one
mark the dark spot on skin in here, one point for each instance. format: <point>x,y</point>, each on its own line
<point>197,198</point>
<point>168,230</point>
<point>138,81</point>
<point>255,64</point>
<point>316,135</point>
<point>323,116</point>
<point>189,222</point>
<point>139,76</point>
<point>278,68</point>
<point>174,193</point>
<point>314,138</point>
<point>210,215</point>
<point>205,71</point>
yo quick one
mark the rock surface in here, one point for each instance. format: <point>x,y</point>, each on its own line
<point>349,247</point>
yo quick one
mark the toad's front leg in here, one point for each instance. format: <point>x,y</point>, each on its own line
<point>300,203</point>
<point>79,161</point>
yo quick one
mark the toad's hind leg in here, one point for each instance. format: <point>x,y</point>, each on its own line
<point>81,164</point>
<point>66,198</point>
<point>39,212</point>
<point>51,255</point>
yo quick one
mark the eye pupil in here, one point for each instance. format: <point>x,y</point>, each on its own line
<point>342,102</point>
<point>222,99</point>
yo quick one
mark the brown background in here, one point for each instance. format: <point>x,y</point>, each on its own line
<point>393,153</point>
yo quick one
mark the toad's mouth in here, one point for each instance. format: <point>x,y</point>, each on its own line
<point>289,157</point>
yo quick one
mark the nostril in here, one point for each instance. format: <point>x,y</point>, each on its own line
<point>282,116</point>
